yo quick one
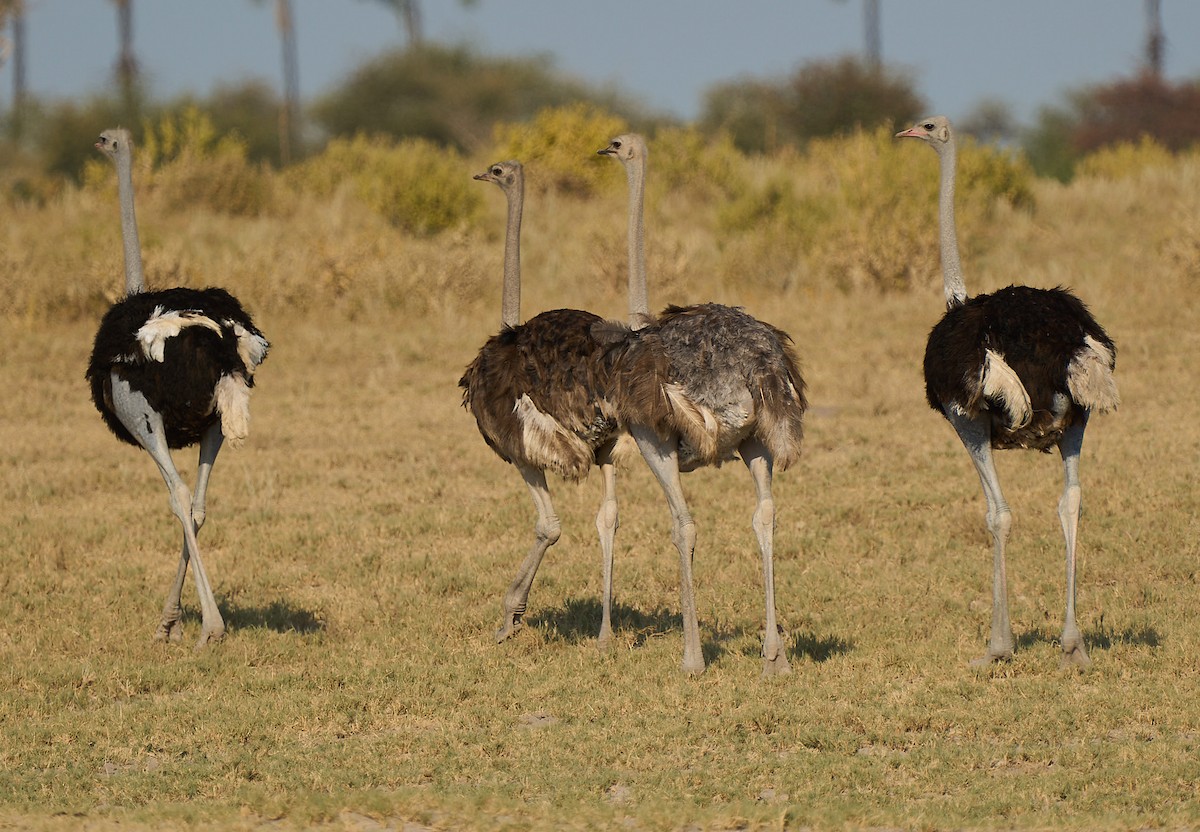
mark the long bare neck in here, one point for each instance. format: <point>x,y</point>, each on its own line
<point>639,305</point>
<point>134,279</point>
<point>510,303</point>
<point>952,276</point>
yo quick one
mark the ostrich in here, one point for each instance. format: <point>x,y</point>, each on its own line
<point>1018,368</point>
<point>169,369</point>
<point>696,385</point>
<point>538,392</point>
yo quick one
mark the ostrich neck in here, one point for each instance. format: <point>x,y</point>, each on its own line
<point>952,276</point>
<point>134,280</point>
<point>639,305</point>
<point>510,304</point>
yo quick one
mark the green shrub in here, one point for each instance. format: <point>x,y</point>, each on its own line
<point>414,185</point>
<point>558,148</point>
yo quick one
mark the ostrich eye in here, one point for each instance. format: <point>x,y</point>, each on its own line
<point>928,125</point>
<point>496,172</point>
<point>616,145</point>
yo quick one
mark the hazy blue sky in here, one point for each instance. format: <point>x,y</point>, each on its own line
<point>664,52</point>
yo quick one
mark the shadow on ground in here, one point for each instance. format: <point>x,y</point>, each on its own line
<point>279,615</point>
<point>578,621</point>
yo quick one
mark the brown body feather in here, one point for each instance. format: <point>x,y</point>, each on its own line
<point>538,392</point>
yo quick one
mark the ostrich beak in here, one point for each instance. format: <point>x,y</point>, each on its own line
<point>607,151</point>
<point>480,176</point>
<point>910,133</point>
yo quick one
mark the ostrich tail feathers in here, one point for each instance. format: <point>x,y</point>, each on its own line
<point>697,425</point>
<point>1001,385</point>
<point>233,404</point>
<point>780,415</point>
<point>164,324</point>
<point>1090,377</point>
<point>548,444</point>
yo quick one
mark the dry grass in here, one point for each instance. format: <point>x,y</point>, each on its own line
<point>361,541</point>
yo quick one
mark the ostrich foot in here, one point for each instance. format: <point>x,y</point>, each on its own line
<point>210,635</point>
<point>170,629</point>
<point>692,665</point>
<point>509,627</point>
<point>1074,655</point>
<point>993,655</point>
<point>775,662</point>
<point>604,641</point>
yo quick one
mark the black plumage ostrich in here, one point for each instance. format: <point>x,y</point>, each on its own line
<point>170,369</point>
<point>697,385</point>
<point>1018,368</point>
<point>539,395</point>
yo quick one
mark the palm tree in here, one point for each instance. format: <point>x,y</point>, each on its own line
<point>1156,40</point>
<point>14,10</point>
<point>409,12</point>
<point>127,65</point>
<point>289,112</point>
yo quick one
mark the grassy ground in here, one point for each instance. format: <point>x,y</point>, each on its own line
<point>360,543</point>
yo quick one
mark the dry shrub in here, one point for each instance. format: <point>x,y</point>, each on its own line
<point>558,148</point>
<point>686,158</point>
<point>1124,160</point>
<point>861,211</point>
<point>415,185</point>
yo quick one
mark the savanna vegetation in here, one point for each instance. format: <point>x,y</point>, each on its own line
<point>360,543</point>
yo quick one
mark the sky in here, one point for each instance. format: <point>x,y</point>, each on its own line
<point>663,53</point>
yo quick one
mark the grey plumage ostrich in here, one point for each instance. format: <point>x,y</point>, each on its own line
<point>539,395</point>
<point>1017,368</point>
<point>170,369</point>
<point>697,385</point>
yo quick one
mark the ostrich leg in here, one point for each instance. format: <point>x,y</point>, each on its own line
<point>546,533</point>
<point>662,457</point>
<point>1074,653</point>
<point>169,628</point>
<point>758,461</point>
<point>146,425</point>
<point>976,437</point>
<point>607,523</point>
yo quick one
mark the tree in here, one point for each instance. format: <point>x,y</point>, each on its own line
<point>14,11</point>
<point>449,95</point>
<point>289,111</point>
<point>1156,41</point>
<point>126,69</point>
<point>820,99</point>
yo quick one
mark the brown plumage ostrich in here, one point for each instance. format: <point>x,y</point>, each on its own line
<point>539,394</point>
<point>697,385</point>
<point>1017,368</point>
<point>169,369</point>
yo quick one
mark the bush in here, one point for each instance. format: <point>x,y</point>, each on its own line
<point>558,147</point>
<point>185,164</point>
<point>1124,160</point>
<point>861,211</point>
<point>449,95</point>
<point>820,99</point>
<point>686,158</point>
<point>414,185</point>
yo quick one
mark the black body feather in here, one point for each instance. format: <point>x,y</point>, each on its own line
<point>1037,331</point>
<point>181,388</point>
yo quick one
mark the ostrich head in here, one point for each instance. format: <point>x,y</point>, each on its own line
<point>504,174</point>
<point>113,141</point>
<point>935,131</point>
<point>625,148</point>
